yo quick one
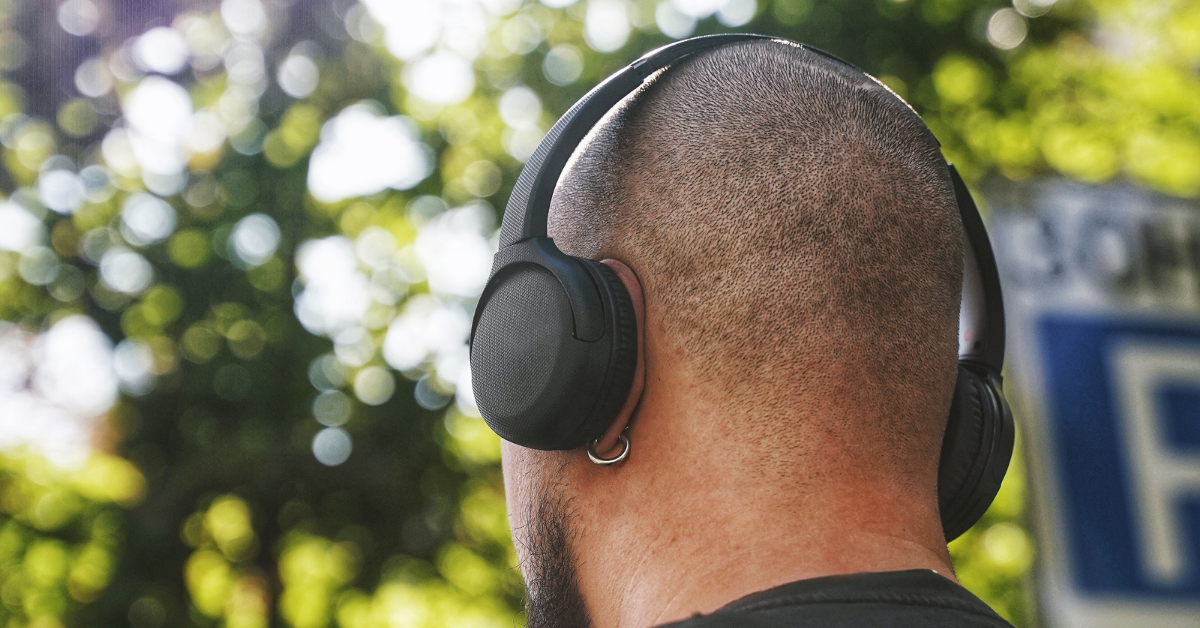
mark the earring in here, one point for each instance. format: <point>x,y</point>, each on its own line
<point>604,462</point>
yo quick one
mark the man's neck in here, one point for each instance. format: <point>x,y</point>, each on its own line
<point>703,586</point>
<point>696,557</point>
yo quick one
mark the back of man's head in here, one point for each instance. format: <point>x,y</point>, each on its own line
<point>794,229</point>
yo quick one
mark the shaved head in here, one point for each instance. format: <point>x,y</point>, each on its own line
<point>794,228</point>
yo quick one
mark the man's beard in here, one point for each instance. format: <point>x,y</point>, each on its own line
<point>554,599</point>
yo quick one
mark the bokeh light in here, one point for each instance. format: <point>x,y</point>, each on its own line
<point>673,22</point>
<point>1006,29</point>
<point>125,271</point>
<point>606,26</point>
<point>443,78</point>
<point>20,230</point>
<point>158,111</point>
<point>254,239</point>
<point>362,152</point>
<point>78,17</point>
<point>335,294</point>
<point>298,76</point>
<point>374,385</point>
<point>563,65</point>
<point>332,446</point>
<point>332,408</point>
<point>162,50</point>
<point>146,219</point>
<point>61,190</point>
<point>54,388</point>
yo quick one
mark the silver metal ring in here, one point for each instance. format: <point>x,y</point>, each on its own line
<point>604,462</point>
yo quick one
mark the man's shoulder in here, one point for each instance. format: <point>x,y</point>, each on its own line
<point>892,599</point>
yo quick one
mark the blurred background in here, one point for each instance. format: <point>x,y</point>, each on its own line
<point>241,241</point>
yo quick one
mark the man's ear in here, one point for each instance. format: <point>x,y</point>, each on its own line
<point>607,446</point>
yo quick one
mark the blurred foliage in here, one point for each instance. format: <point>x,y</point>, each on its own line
<point>265,465</point>
<point>993,558</point>
<point>61,532</point>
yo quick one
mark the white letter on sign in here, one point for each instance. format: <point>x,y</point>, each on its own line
<point>1159,474</point>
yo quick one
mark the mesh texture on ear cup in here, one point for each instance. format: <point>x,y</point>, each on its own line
<point>515,349</point>
<point>624,358</point>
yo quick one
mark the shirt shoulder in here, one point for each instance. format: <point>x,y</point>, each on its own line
<point>888,600</point>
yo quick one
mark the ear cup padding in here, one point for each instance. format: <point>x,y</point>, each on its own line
<point>963,438</point>
<point>976,450</point>
<point>624,359</point>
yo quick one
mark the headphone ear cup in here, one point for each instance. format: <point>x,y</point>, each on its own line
<point>535,382</point>
<point>976,450</point>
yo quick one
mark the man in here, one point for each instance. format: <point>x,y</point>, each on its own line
<point>793,252</point>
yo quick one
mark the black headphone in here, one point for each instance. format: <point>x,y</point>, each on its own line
<point>554,339</point>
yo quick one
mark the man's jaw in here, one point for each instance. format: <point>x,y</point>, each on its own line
<point>554,599</point>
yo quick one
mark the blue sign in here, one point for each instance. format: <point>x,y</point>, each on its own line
<point>1102,296</point>
<point>1122,399</point>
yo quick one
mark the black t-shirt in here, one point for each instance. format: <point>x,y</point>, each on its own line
<point>893,599</point>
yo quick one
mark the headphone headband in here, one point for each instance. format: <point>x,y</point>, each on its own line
<point>981,331</point>
<point>529,205</point>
